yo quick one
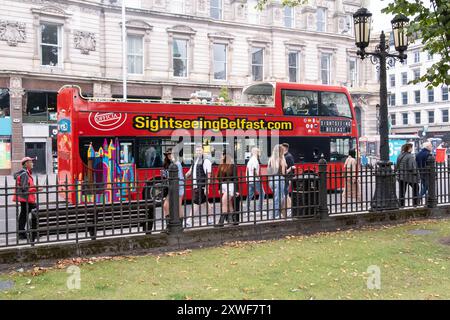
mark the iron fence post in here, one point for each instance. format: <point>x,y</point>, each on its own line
<point>323,207</point>
<point>431,171</point>
<point>174,225</point>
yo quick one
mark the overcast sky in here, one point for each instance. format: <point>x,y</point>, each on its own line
<point>381,21</point>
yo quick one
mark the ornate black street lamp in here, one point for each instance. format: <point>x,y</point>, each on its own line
<point>385,196</point>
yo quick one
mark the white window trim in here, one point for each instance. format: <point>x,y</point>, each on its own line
<point>187,57</point>
<point>143,53</point>
<point>226,61</point>
<point>60,45</point>
<point>182,32</point>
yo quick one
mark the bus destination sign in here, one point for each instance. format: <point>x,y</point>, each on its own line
<point>335,126</point>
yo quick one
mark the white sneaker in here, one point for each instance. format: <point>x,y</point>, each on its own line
<point>289,213</point>
<point>188,222</point>
<point>211,220</point>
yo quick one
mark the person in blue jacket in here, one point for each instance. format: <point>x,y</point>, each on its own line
<point>421,160</point>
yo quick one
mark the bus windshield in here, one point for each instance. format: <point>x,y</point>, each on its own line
<point>314,103</point>
<point>259,94</point>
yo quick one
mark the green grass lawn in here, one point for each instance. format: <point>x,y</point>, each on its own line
<point>322,266</point>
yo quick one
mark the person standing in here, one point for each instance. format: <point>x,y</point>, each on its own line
<point>290,173</point>
<point>201,174</point>
<point>421,160</point>
<point>25,195</point>
<point>276,169</point>
<point>228,188</point>
<point>351,187</point>
<point>170,158</point>
<point>254,183</point>
<point>407,174</point>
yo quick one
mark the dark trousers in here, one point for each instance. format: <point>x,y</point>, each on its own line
<point>25,208</point>
<point>403,186</point>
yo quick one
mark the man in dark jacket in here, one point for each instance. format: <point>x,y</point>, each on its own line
<point>421,160</point>
<point>25,194</point>
<point>406,168</point>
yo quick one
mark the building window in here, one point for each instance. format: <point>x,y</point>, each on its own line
<point>216,9</point>
<point>404,78</point>
<point>51,46</point>
<point>257,64</point>
<point>430,95</point>
<point>404,97</point>
<point>430,56</point>
<point>445,115</point>
<point>325,68</point>
<point>293,66</point>
<point>444,93</point>
<point>405,118</point>
<point>180,58</point>
<point>41,107</point>
<point>417,96</point>
<point>353,74</point>
<point>135,45</point>
<point>417,116</point>
<point>349,24</point>
<point>416,74</point>
<point>392,80</point>
<point>430,116</point>
<point>220,61</point>
<point>254,15</point>
<point>177,6</point>
<point>321,19</point>
<point>416,56</point>
<point>392,99</point>
<point>393,119</point>
<point>289,17</point>
<point>4,102</point>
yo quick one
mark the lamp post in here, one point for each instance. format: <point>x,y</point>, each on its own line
<point>385,196</point>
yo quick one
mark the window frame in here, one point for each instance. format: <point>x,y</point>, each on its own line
<point>417,96</point>
<point>59,46</point>
<point>297,66</point>
<point>220,9</point>
<point>430,91</point>
<point>446,115</point>
<point>431,116</point>
<point>328,55</point>
<point>321,25</point>
<point>353,82</point>
<point>187,57</point>
<point>225,62</point>
<point>257,65</point>
<point>404,78</point>
<point>405,118</point>
<point>131,35</point>
<point>418,117</point>
<point>289,18</point>
<point>444,93</point>
<point>405,96</point>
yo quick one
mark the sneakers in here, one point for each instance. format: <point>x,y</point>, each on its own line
<point>188,222</point>
<point>289,213</point>
<point>210,220</point>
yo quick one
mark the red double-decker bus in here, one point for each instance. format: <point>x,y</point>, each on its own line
<point>122,141</point>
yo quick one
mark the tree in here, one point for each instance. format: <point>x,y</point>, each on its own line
<point>431,26</point>
<point>224,94</point>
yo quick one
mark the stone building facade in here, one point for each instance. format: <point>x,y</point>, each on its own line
<point>174,48</point>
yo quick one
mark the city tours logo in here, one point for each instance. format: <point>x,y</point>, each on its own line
<point>106,121</point>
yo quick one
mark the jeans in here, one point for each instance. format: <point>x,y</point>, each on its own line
<point>423,187</point>
<point>277,184</point>
<point>252,187</point>
<point>403,186</point>
<point>25,208</point>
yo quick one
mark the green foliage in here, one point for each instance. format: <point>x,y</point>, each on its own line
<point>286,3</point>
<point>224,94</point>
<point>431,26</point>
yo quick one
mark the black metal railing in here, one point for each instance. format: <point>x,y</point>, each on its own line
<point>87,211</point>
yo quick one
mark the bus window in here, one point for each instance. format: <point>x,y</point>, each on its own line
<point>259,94</point>
<point>244,146</point>
<point>300,103</point>
<point>149,153</point>
<point>340,147</point>
<point>126,152</point>
<point>334,104</point>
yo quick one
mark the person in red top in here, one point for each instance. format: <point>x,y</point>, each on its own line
<point>25,194</point>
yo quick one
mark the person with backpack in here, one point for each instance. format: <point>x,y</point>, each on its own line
<point>407,174</point>
<point>25,195</point>
<point>201,173</point>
